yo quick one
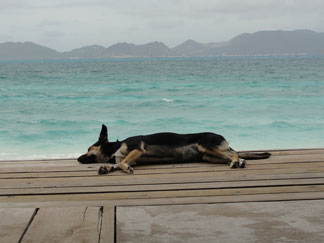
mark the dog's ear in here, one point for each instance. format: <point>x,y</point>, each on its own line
<point>103,134</point>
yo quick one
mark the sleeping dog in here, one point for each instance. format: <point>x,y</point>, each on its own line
<point>164,147</point>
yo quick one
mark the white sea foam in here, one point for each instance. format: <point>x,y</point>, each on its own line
<point>167,100</point>
<point>14,156</point>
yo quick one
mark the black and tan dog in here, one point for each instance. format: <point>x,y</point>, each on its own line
<point>167,147</point>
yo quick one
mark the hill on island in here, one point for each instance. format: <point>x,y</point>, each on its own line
<point>298,42</point>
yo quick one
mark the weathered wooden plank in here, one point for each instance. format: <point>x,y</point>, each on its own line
<point>293,196</point>
<point>130,180</point>
<point>303,158</point>
<point>16,166</point>
<point>292,159</point>
<point>108,225</point>
<point>62,177</point>
<point>161,187</point>
<point>161,194</point>
<point>73,166</point>
<point>281,152</point>
<point>234,174</point>
<point>214,199</point>
<point>13,222</point>
<point>38,162</point>
<point>299,221</point>
<point>71,224</point>
<point>43,171</point>
<point>202,168</point>
<point>286,176</point>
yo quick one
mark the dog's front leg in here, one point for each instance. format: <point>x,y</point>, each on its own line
<point>107,168</point>
<point>129,160</point>
<point>123,163</point>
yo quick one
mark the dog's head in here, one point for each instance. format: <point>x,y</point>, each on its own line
<point>101,151</point>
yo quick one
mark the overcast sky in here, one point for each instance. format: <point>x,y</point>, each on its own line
<point>67,24</point>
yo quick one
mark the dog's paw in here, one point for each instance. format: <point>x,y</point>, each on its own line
<point>242,163</point>
<point>234,164</point>
<point>103,170</point>
<point>130,170</point>
<point>126,168</point>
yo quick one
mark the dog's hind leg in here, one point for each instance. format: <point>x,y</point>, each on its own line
<point>232,155</point>
<point>224,152</point>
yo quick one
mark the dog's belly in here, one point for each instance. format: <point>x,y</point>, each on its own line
<point>183,153</point>
<point>163,154</point>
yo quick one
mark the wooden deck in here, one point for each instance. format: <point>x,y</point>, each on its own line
<point>274,200</point>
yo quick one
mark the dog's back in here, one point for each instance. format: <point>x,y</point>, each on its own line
<point>169,139</point>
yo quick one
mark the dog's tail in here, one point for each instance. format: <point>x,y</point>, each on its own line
<point>254,155</point>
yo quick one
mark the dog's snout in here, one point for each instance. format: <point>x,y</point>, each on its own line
<point>81,158</point>
<point>84,159</point>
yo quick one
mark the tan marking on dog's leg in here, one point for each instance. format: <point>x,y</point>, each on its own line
<point>234,157</point>
<point>215,152</point>
<point>129,159</point>
<point>225,154</point>
<point>201,148</point>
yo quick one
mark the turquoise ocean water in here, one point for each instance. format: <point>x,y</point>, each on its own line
<point>54,109</point>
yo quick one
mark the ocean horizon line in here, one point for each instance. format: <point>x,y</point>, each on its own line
<point>180,58</point>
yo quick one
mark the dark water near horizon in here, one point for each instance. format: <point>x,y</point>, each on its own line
<point>54,109</point>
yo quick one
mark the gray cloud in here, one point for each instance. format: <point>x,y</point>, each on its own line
<point>45,23</point>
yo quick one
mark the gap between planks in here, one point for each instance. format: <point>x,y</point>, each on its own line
<point>173,201</point>
<point>129,196</point>
<point>161,187</point>
<point>202,168</point>
<point>121,177</point>
<point>162,181</point>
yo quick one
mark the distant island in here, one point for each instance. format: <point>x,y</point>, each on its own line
<point>297,42</point>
